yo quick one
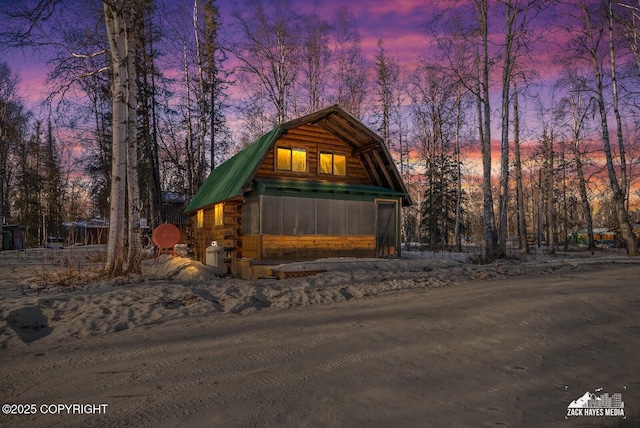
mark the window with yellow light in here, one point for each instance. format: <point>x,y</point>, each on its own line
<point>200,219</point>
<point>291,159</point>
<point>331,163</point>
<point>218,214</point>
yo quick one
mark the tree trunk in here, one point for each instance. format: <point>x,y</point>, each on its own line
<point>510,14</point>
<point>618,197</point>
<point>119,18</point>
<point>202,102</point>
<point>522,221</point>
<point>551,215</point>
<point>484,126</point>
<point>117,42</point>
<point>582,185</point>
<point>189,149</point>
<point>578,116</point>
<point>624,188</point>
<point>458,235</point>
<point>565,216</point>
<point>149,128</point>
<point>133,190</point>
<point>541,187</point>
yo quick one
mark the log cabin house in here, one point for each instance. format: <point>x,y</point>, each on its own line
<point>323,185</point>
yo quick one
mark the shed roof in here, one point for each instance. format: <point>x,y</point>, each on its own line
<point>231,178</point>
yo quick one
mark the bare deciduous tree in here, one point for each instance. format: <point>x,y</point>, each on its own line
<point>315,61</point>
<point>387,72</point>
<point>269,52</point>
<point>12,125</point>
<point>351,67</point>
<point>574,106</point>
<point>482,92</point>
<point>520,197</point>
<point>588,43</point>
<point>120,21</point>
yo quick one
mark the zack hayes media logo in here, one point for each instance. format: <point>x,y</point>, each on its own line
<point>592,405</point>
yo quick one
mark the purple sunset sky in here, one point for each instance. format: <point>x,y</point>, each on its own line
<point>399,23</point>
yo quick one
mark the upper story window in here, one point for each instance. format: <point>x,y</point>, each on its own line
<point>290,159</point>
<point>331,163</point>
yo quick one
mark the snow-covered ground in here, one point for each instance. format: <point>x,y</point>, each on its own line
<point>427,340</point>
<point>33,308</point>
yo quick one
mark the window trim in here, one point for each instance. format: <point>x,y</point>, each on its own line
<point>333,164</point>
<point>218,216</point>
<point>291,149</point>
<point>200,218</point>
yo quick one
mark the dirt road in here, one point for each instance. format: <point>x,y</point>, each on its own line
<point>512,352</point>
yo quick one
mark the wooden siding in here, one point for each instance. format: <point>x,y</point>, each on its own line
<point>364,165</point>
<point>229,235</point>
<point>251,246</point>
<point>309,247</point>
<point>314,140</point>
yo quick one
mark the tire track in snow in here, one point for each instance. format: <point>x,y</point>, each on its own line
<point>226,375</point>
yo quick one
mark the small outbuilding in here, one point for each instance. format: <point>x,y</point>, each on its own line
<point>87,232</point>
<point>12,237</point>
<point>323,185</point>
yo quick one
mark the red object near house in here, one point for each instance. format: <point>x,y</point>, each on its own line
<point>165,237</point>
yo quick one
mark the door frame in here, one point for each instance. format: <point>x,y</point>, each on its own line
<point>379,247</point>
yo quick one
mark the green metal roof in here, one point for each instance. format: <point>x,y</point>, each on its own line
<point>320,189</point>
<point>228,180</point>
<point>231,178</point>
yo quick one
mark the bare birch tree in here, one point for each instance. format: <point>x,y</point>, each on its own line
<point>588,43</point>
<point>269,52</point>
<point>520,196</point>
<point>315,61</point>
<point>483,103</point>
<point>119,19</point>
<point>519,17</point>
<point>577,108</point>
<point>616,110</point>
<point>549,194</point>
<point>350,65</point>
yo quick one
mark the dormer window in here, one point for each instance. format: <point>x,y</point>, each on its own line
<point>334,164</point>
<point>291,159</point>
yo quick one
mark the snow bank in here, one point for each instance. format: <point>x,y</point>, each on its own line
<point>178,287</point>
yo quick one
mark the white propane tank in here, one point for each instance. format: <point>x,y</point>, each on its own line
<point>214,258</point>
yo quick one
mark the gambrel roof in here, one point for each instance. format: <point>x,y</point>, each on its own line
<point>233,177</point>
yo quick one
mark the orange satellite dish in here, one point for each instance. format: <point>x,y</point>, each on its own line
<point>165,236</point>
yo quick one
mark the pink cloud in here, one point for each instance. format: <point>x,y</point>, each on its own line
<point>32,75</point>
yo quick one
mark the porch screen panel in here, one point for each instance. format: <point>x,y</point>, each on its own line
<point>332,217</point>
<point>361,218</point>
<point>271,215</point>
<point>298,216</point>
<point>251,217</point>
